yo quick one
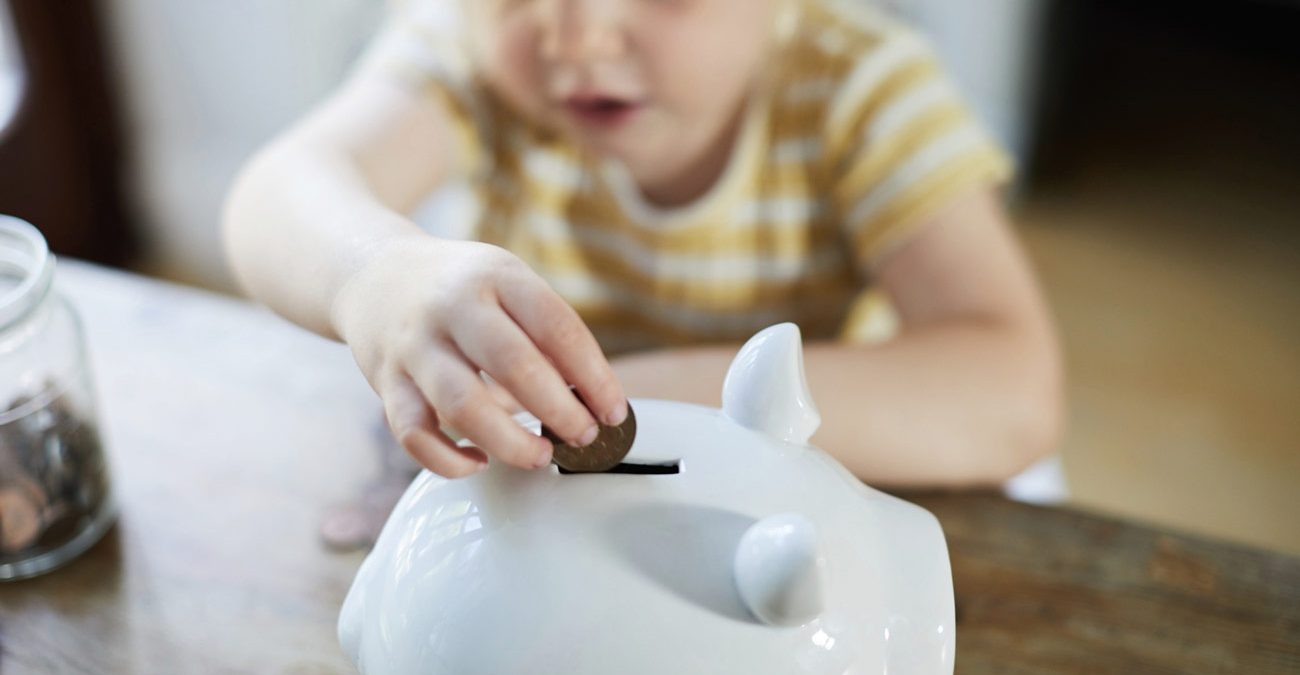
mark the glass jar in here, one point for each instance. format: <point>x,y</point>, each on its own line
<point>55,500</point>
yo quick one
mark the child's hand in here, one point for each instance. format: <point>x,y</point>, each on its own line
<point>423,316</point>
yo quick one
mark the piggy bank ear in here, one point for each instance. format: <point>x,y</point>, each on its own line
<point>765,388</point>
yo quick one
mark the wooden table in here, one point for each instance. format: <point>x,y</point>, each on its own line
<point>231,432</point>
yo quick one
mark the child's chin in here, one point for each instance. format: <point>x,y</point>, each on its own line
<point>606,145</point>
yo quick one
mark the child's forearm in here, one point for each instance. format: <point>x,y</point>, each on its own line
<point>318,202</point>
<point>951,404</point>
<point>297,224</point>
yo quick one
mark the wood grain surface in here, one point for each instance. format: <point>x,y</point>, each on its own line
<point>230,433</point>
<point>1049,590</point>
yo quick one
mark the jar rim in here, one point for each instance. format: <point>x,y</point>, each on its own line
<point>24,256</point>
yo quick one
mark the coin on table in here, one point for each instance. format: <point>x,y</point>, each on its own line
<point>606,452</point>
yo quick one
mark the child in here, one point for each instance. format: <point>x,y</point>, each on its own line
<point>659,179</point>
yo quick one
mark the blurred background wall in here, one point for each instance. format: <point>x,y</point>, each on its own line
<point>204,84</point>
<point>1159,197</point>
<point>61,156</point>
<point>11,71</point>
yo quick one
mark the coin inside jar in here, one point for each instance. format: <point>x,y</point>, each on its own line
<point>606,452</point>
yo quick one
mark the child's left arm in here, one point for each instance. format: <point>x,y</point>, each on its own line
<point>968,393</point>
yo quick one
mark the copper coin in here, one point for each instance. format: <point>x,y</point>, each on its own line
<point>606,452</point>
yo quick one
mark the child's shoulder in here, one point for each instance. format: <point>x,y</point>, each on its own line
<point>851,16</point>
<point>838,39</point>
<point>844,60</point>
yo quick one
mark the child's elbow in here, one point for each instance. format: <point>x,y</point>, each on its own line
<point>1038,423</point>
<point>1041,433</point>
<point>246,210</point>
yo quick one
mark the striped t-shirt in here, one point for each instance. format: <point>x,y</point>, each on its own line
<point>857,138</point>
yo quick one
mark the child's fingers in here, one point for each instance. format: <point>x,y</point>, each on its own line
<point>462,399</point>
<point>416,427</point>
<point>560,334</point>
<point>503,397</point>
<point>495,344</point>
<point>439,454</point>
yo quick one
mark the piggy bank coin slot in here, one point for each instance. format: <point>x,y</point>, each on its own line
<point>634,469</point>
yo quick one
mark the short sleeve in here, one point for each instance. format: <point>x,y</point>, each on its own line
<point>421,46</point>
<point>903,145</point>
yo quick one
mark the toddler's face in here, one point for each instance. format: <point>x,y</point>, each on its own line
<point>655,83</point>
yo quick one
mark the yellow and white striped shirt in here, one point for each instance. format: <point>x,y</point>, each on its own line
<point>858,140</point>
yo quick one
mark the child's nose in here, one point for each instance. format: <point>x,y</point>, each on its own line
<point>583,30</point>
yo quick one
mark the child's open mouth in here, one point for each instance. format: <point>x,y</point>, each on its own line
<point>601,111</point>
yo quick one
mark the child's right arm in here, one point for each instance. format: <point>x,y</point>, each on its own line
<point>314,228</point>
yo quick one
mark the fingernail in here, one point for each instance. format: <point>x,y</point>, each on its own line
<point>589,436</point>
<point>544,458</point>
<point>618,416</point>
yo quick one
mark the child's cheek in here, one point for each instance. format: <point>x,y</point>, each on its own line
<point>514,68</point>
<point>708,59</point>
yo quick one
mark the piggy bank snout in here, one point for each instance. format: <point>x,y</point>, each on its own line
<point>778,570</point>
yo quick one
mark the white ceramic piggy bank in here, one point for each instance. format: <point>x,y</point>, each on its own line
<point>759,555</point>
